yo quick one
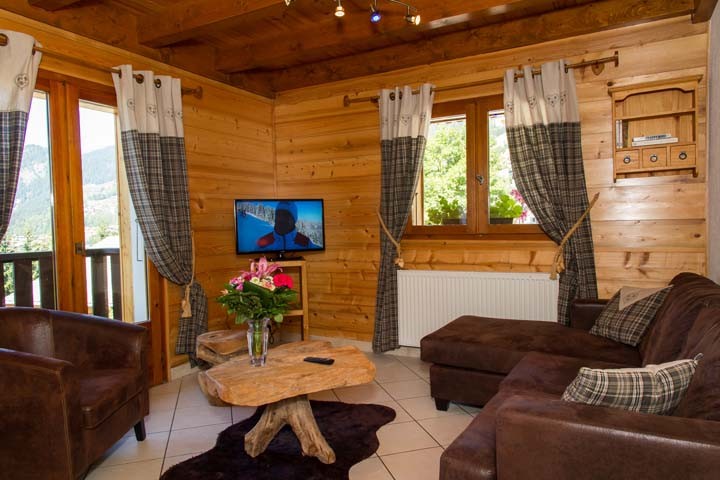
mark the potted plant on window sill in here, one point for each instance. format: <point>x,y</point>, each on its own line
<point>448,212</point>
<point>503,208</point>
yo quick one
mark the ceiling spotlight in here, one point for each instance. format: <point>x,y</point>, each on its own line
<point>339,10</point>
<point>412,19</point>
<point>288,2</point>
<point>375,15</point>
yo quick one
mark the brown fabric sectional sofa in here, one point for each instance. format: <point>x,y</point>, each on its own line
<point>519,370</point>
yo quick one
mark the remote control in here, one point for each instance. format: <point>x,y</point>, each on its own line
<point>320,360</point>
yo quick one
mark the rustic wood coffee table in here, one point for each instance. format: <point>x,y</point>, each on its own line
<point>283,384</point>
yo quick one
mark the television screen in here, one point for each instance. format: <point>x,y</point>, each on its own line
<point>279,225</point>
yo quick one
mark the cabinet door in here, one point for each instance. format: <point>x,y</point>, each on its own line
<point>654,157</point>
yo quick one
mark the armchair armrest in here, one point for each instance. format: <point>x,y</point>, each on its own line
<point>553,439</point>
<point>40,418</point>
<point>584,312</point>
<point>99,343</point>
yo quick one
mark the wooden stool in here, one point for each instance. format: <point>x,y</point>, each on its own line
<point>218,347</point>
<point>221,345</point>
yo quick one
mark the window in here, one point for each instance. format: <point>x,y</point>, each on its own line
<point>467,184</point>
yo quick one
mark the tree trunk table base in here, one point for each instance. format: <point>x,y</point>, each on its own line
<point>297,413</point>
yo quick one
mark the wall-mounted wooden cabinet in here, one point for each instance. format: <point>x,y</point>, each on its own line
<point>655,127</point>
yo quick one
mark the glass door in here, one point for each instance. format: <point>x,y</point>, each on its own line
<point>27,256</point>
<point>115,258</point>
<point>72,242</point>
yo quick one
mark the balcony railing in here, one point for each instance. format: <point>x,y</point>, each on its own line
<point>105,297</point>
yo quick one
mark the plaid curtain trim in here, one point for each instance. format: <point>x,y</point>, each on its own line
<point>629,324</point>
<point>548,170</point>
<point>401,160</point>
<point>157,177</point>
<point>12,139</point>
<point>654,389</point>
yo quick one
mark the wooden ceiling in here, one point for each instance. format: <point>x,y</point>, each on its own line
<point>266,47</point>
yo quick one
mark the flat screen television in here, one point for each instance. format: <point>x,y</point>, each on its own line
<point>279,226</point>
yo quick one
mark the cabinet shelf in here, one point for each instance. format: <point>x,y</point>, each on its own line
<point>678,144</point>
<point>665,113</point>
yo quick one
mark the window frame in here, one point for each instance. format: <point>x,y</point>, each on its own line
<point>476,112</point>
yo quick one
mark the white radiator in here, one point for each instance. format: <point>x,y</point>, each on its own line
<point>429,299</point>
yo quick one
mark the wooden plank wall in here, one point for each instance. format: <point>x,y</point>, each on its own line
<point>645,230</point>
<point>229,143</point>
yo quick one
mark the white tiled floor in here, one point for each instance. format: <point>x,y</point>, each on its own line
<point>182,424</point>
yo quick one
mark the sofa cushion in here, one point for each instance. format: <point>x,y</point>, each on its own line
<point>627,324</point>
<point>542,372</point>
<point>102,392</point>
<point>26,330</point>
<point>702,399</point>
<point>472,454</point>
<point>667,333</point>
<point>497,345</point>
<point>653,389</point>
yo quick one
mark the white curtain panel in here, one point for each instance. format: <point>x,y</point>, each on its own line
<point>405,121</point>
<point>541,99</point>
<point>543,129</point>
<point>147,108</point>
<point>154,152</point>
<point>18,72</point>
<point>404,114</point>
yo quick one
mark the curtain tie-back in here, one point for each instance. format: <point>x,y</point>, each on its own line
<point>398,258</point>
<point>185,304</point>
<point>558,266</point>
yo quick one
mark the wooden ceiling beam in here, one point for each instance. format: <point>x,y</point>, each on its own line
<point>569,22</point>
<point>189,19</point>
<point>115,26</point>
<point>313,43</point>
<point>703,10</point>
<point>52,5</point>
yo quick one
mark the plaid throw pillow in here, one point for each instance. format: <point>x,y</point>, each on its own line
<point>628,325</point>
<point>652,389</point>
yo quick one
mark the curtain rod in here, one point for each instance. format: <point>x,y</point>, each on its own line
<point>597,68</point>
<point>197,92</point>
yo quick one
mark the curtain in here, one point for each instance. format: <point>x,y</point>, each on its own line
<point>153,146</point>
<point>405,120</point>
<point>17,82</point>
<point>543,129</point>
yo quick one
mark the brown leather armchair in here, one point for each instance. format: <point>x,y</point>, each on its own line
<point>71,385</point>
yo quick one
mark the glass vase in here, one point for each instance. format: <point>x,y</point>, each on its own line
<point>257,340</point>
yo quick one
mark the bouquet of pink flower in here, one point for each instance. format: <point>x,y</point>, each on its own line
<point>262,292</point>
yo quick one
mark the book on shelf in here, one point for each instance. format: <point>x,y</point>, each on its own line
<point>621,133</point>
<point>659,141</point>
<point>659,136</point>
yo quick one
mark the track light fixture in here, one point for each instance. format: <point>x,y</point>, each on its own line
<point>412,16</point>
<point>412,19</point>
<point>375,15</point>
<point>339,10</point>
